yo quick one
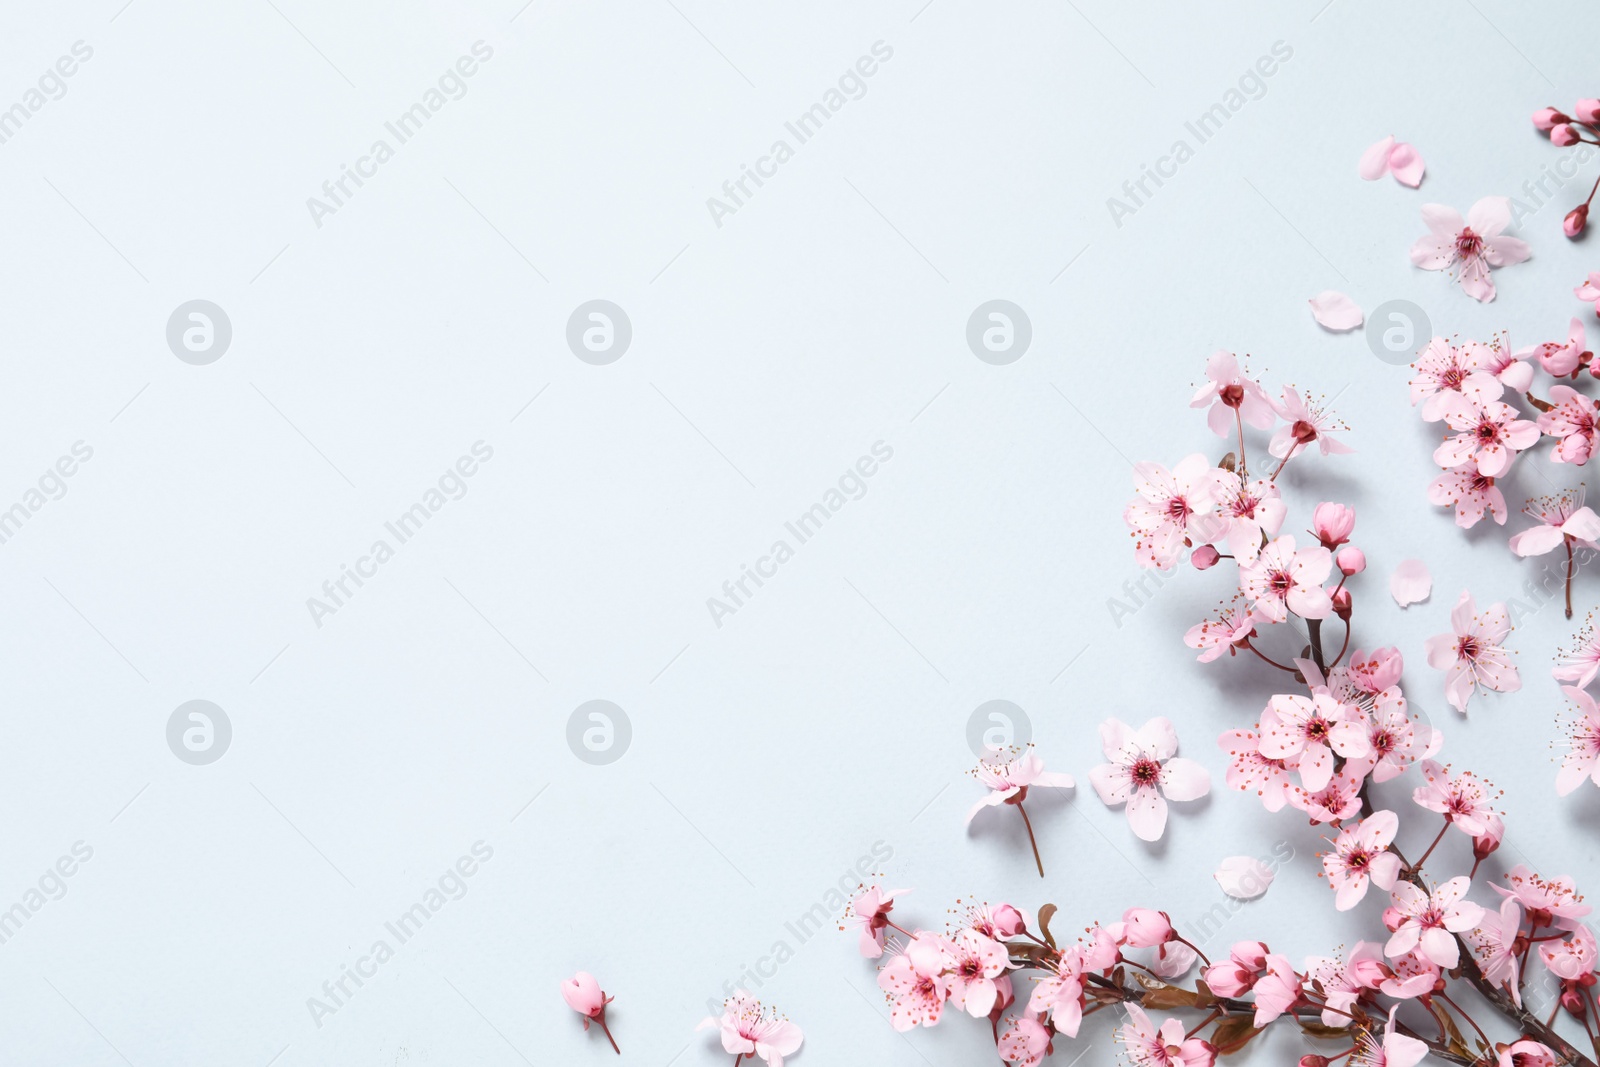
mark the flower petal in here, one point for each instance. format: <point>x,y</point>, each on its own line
<point>1375,160</point>
<point>1335,311</point>
<point>1243,877</point>
<point>1411,583</point>
<point>1406,165</point>
<point>1147,814</point>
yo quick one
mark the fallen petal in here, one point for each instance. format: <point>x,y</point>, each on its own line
<point>1375,160</point>
<point>1335,311</point>
<point>1406,165</point>
<point>1411,582</point>
<point>1243,877</point>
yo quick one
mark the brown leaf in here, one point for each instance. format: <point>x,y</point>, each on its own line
<point>1229,463</point>
<point>1542,405</point>
<point>1046,913</point>
<point>1318,1029</point>
<point>1233,1034</point>
<point>1203,997</point>
<point>1167,997</point>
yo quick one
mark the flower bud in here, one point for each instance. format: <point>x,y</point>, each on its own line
<point>1563,134</point>
<point>1546,119</point>
<point>1575,221</point>
<point>1145,927</point>
<point>582,994</point>
<point>1376,671</point>
<point>1485,843</point>
<point>1572,1000</point>
<point>1205,557</point>
<point>1008,921</point>
<point>1333,523</point>
<point>1587,110</point>
<point>1311,1059</point>
<point>1342,604</point>
<point>1351,560</point>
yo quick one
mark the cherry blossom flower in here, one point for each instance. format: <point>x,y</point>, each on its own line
<point>1561,517</point>
<point>1313,728</point>
<point>1173,960</point>
<point>1583,753</point>
<point>1411,975</point>
<point>1361,857</point>
<point>1548,901</point>
<point>870,910</point>
<point>1339,799</point>
<point>1232,397</point>
<point>1282,580</point>
<point>1489,435</point>
<point>1148,1045</point>
<point>997,923</point>
<point>1396,1049</point>
<point>1570,959</point>
<point>1471,493</point>
<point>1561,358</point>
<point>1025,1043</point>
<point>1580,665</point>
<point>584,996</point>
<point>1495,948</point>
<point>1249,769</point>
<point>1444,371</point>
<point>975,962</point>
<point>1333,523</point>
<point>1008,781</point>
<point>1428,919</point>
<point>1171,506</point>
<point>1236,975</point>
<point>915,984</point>
<point>1377,672</point>
<point>1589,291</point>
<point>1343,983</point>
<point>1511,368</point>
<point>1393,736</point>
<point>1470,246</point>
<point>1462,800</point>
<point>1059,994</point>
<point>1145,927</point>
<point>1391,157</point>
<point>748,1029</point>
<point>1277,990</point>
<point>1144,773</point>
<point>1472,655</point>
<point>1226,633</point>
<point>1305,424</point>
<point>1572,420</point>
<point>1526,1052</point>
<point>1249,512</point>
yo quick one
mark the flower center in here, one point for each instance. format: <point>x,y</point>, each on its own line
<point>1304,432</point>
<point>1468,244</point>
<point>1145,771</point>
<point>1451,378</point>
<point>1178,508</point>
<point>1488,432</point>
<point>1467,648</point>
<point>1232,395</point>
<point>1280,582</point>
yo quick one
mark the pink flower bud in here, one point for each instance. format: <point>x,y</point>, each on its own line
<point>1376,671</point>
<point>1311,1059</point>
<point>1342,604</point>
<point>1572,1000</point>
<point>1205,557</point>
<point>1546,118</point>
<point>1563,134</point>
<point>1351,560</point>
<point>1333,523</point>
<point>1229,978</point>
<point>1587,110</point>
<point>1368,973</point>
<point>1392,918</point>
<point>1575,220</point>
<point>583,995</point>
<point>1008,921</point>
<point>1494,829</point>
<point>1145,927</point>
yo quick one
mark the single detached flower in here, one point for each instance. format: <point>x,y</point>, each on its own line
<point>1469,246</point>
<point>1306,425</point>
<point>1427,920</point>
<point>870,911</point>
<point>1282,580</point>
<point>1008,783</point>
<point>1171,505</point>
<point>1583,739</point>
<point>1361,857</point>
<point>584,996</point>
<point>1472,655</point>
<point>1489,435</point>
<point>748,1029</point>
<point>1232,398</point>
<point>1144,773</point>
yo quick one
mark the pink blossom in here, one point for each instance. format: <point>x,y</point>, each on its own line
<point>1583,753</point>
<point>1231,396</point>
<point>750,1030</point>
<point>1343,983</point>
<point>1148,1045</point>
<point>1171,506</point>
<point>1025,1043</point>
<point>915,983</point>
<point>1548,901</point>
<point>1561,517</point>
<point>1059,994</point>
<point>1145,927</point>
<point>1237,974</point>
<point>1393,736</point>
<point>1304,424</point>
<point>1471,245</point>
<point>1391,157</point>
<point>1572,421</point>
<point>1144,773</point>
<point>1511,368</point>
<point>1376,672</point>
<point>1526,1052</point>
<point>1248,512</point>
<point>975,962</point>
<point>1333,523</point>
<point>1489,435</point>
<point>584,996</point>
<point>1249,769</point>
<point>1561,358</point>
<point>1350,560</point>
<point>1282,580</point>
<point>1225,633</point>
<point>1589,291</point>
<point>1361,856</point>
<point>1339,799</point>
<point>1173,960</point>
<point>1428,920</point>
<point>1582,663</point>
<point>1471,493</point>
<point>1472,654</point>
<point>998,922</point>
<point>1570,959</point>
<point>1444,371</point>
<point>1411,975</point>
<point>1276,991</point>
<point>1313,728</point>
<point>1547,118</point>
<point>1008,781</point>
<point>870,910</point>
<point>1495,948</point>
<point>1462,800</point>
<point>1396,1049</point>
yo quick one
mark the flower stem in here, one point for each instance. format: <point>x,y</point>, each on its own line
<point>1238,419</point>
<point>1568,541</point>
<point>1425,855</point>
<point>1269,659</point>
<point>607,1031</point>
<point>1026,822</point>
